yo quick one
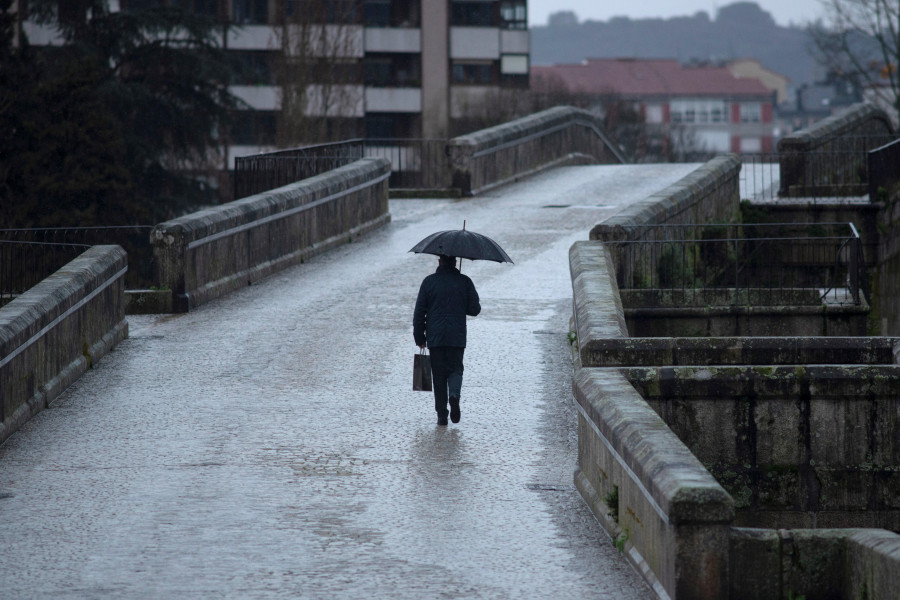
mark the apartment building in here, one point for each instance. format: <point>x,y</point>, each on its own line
<point>359,68</point>
<point>708,105</point>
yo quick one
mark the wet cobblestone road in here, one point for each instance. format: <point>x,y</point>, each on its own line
<point>268,445</point>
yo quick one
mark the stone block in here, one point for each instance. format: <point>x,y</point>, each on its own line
<point>839,429</point>
<point>873,565</point>
<point>779,441</point>
<point>755,564</point>
<point>812,563</point>
<point>779,488</point>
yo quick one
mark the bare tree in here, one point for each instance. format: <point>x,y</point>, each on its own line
<point>860,43</point>
<point>319,72</point>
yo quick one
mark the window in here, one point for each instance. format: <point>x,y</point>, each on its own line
<point>392,126</point>
<point>654,113</point>
<point>751,145</point>
<point>252,127</point>
<point>690,110</point>
<point>513,14</point>
<point>474,73</point>
<point>377,13</point>
<point>252,67</point>
<point>205,7</point>
<point>324,11</point>
<point>392,70</point>
<point>250,11</point>
<point>514,64</point>
<point>751,112</point>
<point>472,14</point>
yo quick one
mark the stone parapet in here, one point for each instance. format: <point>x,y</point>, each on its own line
<point>707,195</point>
<point>511,151</point>
<point>665,507</point>
<point>55,331</point>
<point>813,563</point>
<point>206,254</point>
<point>830,158</point>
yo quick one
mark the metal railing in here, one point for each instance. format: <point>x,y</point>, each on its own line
<point>415,164</point>
<point>259,173</point>
<point>836,168</point>
<point>25,264</point>
<point>884,176</point>
<point>820,175</point>
<point>27,256</point>
<point>783,264</point>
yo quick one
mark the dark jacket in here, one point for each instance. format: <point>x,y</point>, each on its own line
<point>445,298</point>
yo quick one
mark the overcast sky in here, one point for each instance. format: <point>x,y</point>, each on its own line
<point>783,11</point>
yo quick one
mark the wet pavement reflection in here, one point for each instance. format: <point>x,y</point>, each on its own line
<point>269,445</point>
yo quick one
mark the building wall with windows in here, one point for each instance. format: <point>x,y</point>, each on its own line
<point>705,106</point>
<point>401,68</point>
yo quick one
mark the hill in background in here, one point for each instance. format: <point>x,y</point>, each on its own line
<point>740,30</point>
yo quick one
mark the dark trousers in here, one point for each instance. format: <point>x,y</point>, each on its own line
<point>446,374</point>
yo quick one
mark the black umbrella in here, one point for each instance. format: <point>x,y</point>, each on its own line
<point>464,244</point>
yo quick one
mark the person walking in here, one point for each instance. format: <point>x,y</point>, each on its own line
<point>439,322</point>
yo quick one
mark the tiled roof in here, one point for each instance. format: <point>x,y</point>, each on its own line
<point>653,77</point>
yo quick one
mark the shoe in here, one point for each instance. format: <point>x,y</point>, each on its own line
<point>442,419</point>
<point>454,409</point>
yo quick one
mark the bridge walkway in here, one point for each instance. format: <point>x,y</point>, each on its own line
<point>268,444</point>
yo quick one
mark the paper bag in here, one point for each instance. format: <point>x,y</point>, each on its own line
<point>422,372</point>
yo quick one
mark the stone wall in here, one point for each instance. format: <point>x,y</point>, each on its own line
<point>673,520</point>
<point>707,195</point>
<point>726,321</point>
<point>206,254</point>
<point>55,331</point>
<point>814,563</point>
<point>652,495</point>
<point>807,157</point>
<point>799,446</point>
<point>511,151</point>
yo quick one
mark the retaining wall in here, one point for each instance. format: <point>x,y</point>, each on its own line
<point>207,254</point>
<point>55,331</point>
<point>646,487</point>
<point>726,321</point>
<point>511,151</point>
<point>800,446</point>
<point>614,351</point>
<point>814,563</point>
<point>633,470</point>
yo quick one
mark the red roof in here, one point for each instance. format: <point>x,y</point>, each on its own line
<point>648,77</point>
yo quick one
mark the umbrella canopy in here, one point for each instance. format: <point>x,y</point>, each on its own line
<point>464,244</point>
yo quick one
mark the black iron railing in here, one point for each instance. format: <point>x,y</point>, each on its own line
<point>28,256</point>
<point>415,164</point>
<point>838,171</point>
<point>884,174</point>
<point>745,265</point>
<point>25,264</point>
<point>263,172</point>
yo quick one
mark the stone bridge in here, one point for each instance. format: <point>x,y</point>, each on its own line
<point>258,436</point>
<point>268,444</point>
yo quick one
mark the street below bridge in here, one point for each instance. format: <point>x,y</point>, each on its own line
<point>269,445</point>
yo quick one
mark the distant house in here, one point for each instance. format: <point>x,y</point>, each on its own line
<point>709,105</point>
<point>750,68</point>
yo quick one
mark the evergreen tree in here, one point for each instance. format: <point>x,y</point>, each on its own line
<point>119,124</point>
